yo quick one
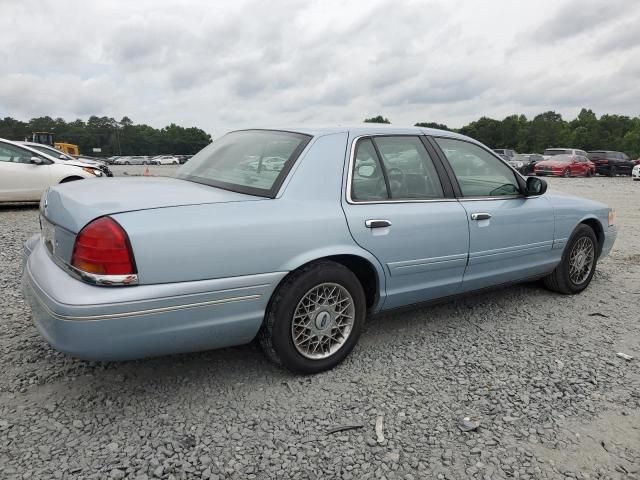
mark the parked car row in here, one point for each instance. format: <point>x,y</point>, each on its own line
<point>569,162</point>
<point>147,160</point>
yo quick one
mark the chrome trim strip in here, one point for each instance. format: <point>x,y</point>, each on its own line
<point>102,280</point>
<point>352,153</point>
<point>141,313</point>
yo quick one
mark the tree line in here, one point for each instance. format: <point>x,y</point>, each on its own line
<point>587,132</point>
<point>112,137</point>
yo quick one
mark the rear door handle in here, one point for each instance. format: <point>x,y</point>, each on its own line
<point>480,216</point>
<point>377,223</point>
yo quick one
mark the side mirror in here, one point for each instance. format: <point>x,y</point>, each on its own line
<point>535,186</point>
<point>36,161</point>
<point>366,171</point>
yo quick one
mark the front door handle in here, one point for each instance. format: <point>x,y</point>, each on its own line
<point>377,223</point>
<point>480,216</point>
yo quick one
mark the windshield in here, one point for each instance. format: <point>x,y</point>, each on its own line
<point>248,161</point>
<point>52,151</point>
<point>550,151</point>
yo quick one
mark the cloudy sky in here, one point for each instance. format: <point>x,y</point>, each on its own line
<point>226,64</point>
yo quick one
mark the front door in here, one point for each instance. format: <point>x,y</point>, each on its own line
<point>399,209</point>
<point>20,180</point>
<point>510,235</point>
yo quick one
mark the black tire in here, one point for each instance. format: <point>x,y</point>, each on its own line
<point>145,163</point>
<point>566,173</point>
<point>589,174</point>
<point>175,163</point>
<point>127,163</point>
<point>613,171</point>
<point>275,334</point>
<point>559,280</point>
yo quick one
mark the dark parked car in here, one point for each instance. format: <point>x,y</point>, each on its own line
<point>525,162</point>
<point>611,163</point>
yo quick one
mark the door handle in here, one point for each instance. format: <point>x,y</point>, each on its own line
<point>377,223</point>
<point>480,216</point>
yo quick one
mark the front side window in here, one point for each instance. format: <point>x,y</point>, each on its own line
<point>11,153</point>
<point>250,161</point>
<point>478,172</point>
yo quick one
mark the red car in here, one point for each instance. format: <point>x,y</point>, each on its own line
<point>566,166</point>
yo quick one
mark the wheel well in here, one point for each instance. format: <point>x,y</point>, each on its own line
<point>365,272</point>
<point>596,226</point>
<point>361,268</point>
<point>70,179</point>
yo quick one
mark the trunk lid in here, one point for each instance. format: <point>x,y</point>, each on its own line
<point>73,205</point>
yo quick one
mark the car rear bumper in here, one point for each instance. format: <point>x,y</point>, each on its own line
<point>122,323</point>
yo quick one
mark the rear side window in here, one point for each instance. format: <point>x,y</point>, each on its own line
<point>395,167</point>
<point>368,181</point>
<point>409,168</point>
<point>478,172</point>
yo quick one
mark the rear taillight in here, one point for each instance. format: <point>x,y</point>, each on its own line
<point>102,247</point>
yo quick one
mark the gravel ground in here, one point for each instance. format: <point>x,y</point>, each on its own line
<point>539,371</point>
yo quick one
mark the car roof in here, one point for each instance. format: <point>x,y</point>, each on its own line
<point>366,129</point>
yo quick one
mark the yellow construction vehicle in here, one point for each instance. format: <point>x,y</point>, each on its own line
<point>46,138</point>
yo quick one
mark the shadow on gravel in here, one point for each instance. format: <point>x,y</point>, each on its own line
<point>228,369</point>
<point>18,206</point>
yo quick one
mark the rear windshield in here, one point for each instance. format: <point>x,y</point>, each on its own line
<point>255,162</point>
<point>563,158</point>
<point>556,151</point>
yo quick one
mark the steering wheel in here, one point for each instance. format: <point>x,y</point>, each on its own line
<point>397,182</point>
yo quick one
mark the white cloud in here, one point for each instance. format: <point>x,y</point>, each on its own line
<point>228,64</point>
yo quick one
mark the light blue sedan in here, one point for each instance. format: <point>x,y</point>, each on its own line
<point>294,237</point>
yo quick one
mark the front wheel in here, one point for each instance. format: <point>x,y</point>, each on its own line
<point>566,173</point>
<point>578,264</point>
<point>613,171</point>
<point>314,319</point>
<point>589,173</point>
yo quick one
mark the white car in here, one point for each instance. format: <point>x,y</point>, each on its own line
<point>635,173</point>
<point>166,160</point>
<point>68,159</point>
<point>551,152</point>
<point>25,173</point>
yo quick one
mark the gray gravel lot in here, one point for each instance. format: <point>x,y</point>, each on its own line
<point>538,371</point>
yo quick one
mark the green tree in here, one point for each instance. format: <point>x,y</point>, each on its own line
<point>378,119</point>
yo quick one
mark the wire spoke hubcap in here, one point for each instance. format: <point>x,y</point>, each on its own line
<point>581,260</point>
<point>322,321</point>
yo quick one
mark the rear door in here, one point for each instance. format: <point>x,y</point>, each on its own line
<point>510,235</point>
<point>400,206</point>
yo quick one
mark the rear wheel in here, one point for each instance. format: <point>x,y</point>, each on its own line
<point>127,163</point>
<point>314,319</point>
<point>566,173</point>
<point>613,171</point>
<point>589,173</point>
<point>578,264</point>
